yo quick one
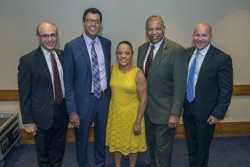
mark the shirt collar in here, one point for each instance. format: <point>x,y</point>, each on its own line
<point>88,40</point>
<point>158,44</point>
<point>203,51</point>
<point>46,52</point>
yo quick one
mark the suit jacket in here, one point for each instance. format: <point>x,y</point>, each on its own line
<point>36,89</point>
<point>78,74</point>
<point>166,80</point>
<point>214,85</point>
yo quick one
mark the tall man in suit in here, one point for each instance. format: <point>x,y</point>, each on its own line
<point>165,66</point>
<point>40,81</point>
<point>208,94</point>
<point>87,74</point>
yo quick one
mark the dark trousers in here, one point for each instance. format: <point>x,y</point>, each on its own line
<point>199,135</point>
<point>160,141</point>
<point>50,143</point>
<point>97,114</point>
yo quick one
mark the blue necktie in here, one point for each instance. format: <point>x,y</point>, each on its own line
<point>190,92</point>
<point>95,72</point>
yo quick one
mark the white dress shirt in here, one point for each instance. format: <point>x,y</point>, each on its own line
<point>199,60</point>
<point>46,54</point>
<point>157,47</point>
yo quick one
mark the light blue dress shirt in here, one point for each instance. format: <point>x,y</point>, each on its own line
<point>199,61</point>
<point>100,57</point>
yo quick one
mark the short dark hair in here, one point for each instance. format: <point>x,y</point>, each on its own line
<point>125,42</point>
<point>155,17</point>
<point>91,10</point>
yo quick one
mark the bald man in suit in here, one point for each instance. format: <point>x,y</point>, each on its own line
<point>43,109</point>
<point>208,94</point>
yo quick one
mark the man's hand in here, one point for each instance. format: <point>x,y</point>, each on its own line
<point>30,128</point>
<point>173,121</point>
<point>74,119</point>
<point>212,120</point>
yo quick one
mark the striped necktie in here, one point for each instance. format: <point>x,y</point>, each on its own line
<point>95,72</point>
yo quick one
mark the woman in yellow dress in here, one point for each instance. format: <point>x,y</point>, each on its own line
<point>125,134</point>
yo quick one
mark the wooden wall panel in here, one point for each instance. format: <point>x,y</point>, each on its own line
<point>12,95</point>
<point>241,90</point>
<point>8,95</point>
<point>223,129</point>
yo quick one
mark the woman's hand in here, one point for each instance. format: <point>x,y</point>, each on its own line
<point>137,128</point>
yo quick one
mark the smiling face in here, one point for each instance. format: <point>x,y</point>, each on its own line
<point>155,29</point>
<point>92,25</point>
<point>202,35</point>
<point>124,55</point>
<point>47,35</point>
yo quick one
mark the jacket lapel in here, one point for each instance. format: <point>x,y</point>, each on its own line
<point>144,52</point>
<point>190,53</point>
<point>205,63</point>
<point>85,52</point>
<point>159,54</point>
<point>41,61</point>
<point>59,55</point>
<point>105,52</point>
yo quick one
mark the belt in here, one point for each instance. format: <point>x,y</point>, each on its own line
<point>102,92</point>
<point>186,101</point>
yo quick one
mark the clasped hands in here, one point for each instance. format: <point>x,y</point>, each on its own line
<point>74,119</point>
<point>173,121</point>
<point>30,128</point>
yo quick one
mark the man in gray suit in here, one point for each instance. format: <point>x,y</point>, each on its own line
<point>165,65</point>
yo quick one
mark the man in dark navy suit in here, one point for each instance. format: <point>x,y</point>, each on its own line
<point>41,91</point>
<point>208,93</point>
<point>87,92</point>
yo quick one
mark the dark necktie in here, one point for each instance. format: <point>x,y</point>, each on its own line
<point>190,92</point>
<point>149,60</point>
<point>95,72</point>
<point>56,80</point>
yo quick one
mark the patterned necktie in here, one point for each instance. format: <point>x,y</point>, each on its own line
<point>56,80</point>
<point>190,92</point>
<point>95,72</point>
<point>149,60</point>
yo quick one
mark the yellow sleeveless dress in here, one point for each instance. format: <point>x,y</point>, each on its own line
<point>122,114</point>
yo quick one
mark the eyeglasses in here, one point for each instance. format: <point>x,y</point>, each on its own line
<point>53,35</point>
<point>89,21</point>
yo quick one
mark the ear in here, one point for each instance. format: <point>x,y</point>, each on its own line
<point>38,37</point>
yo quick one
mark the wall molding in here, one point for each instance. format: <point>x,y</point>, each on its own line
<point>12,95</point>
<point>223,129</point>
<point>8,95</point>
<point>241,90</point>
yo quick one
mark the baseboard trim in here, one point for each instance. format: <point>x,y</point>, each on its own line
<point>8,95</point>
<point>223,129</point>
<point>241,90</point>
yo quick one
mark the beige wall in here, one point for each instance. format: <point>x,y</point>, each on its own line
<point>124,20</point>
